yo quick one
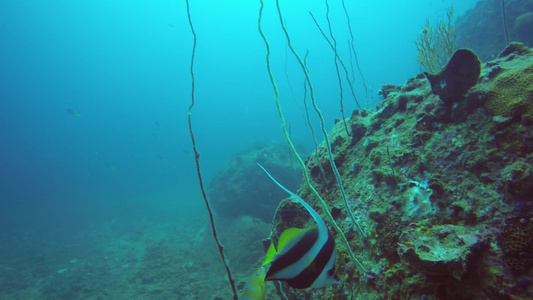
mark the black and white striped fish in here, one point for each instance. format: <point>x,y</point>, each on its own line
<point>304,258</point>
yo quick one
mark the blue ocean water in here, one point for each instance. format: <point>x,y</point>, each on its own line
<point>94,97</point>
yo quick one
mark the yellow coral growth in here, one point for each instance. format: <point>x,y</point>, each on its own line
<point>513,94</point>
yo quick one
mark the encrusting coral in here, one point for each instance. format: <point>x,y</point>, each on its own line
<point>512,94</point>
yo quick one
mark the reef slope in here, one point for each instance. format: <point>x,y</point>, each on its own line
<point>442,189</point>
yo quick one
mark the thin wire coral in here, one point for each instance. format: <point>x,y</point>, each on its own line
<point>436,44</point>
<point>289,142</point>
<point>197,161</point>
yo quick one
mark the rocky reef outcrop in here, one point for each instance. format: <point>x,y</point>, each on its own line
<point>238,189</point>
<point>443,190</point>
<point>482,28</point>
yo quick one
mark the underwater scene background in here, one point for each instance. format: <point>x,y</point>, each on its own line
<point>99,195</point>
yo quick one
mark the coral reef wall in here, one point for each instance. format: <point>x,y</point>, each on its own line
<point>481,28</point>
<point>442,189</point>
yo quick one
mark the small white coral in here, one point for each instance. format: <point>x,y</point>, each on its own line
<point>417,202</point>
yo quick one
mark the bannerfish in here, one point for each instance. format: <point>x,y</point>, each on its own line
<point>255,288</point>
<point>304,258</point>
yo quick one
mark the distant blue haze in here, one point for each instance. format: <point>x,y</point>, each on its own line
<point>123,66</point>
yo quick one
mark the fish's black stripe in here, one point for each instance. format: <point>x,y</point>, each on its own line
<point>306,278</point>
<point>295,253</point>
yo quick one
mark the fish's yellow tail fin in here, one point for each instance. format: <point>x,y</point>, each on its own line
<point>255,288</point>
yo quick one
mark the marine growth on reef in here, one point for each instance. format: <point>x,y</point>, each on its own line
<point>442,176</point>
